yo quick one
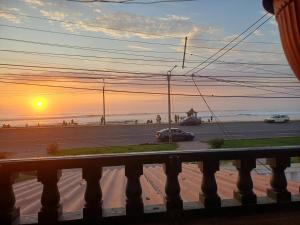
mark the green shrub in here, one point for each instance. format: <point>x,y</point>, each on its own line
<point>216,142</point>
<point>295,159</point>
<point>52,148</point>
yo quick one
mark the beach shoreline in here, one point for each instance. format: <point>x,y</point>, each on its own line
<point>123,123</point>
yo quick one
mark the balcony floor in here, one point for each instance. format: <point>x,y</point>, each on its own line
<point>113,182</point>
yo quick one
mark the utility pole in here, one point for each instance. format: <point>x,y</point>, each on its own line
<point>184,52</point>
<point>103,102</point>
<point>169,102</point>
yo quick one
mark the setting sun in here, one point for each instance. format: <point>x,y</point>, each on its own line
<point>39,104</point>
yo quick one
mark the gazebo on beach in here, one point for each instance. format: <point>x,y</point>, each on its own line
<point>191,113</point>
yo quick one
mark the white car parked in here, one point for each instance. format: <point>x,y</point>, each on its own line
<point>278,119</point>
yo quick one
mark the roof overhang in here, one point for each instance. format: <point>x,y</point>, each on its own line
<point>268,5</point>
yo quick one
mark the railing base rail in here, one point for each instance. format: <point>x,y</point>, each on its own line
<point>193,211</point>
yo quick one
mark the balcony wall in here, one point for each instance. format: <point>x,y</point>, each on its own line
<point>210,205</point>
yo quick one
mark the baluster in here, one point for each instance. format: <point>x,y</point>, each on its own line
<point>244,192</point>
<point>278,190</point>
<point>209,196</point>
<point>134,201</point>
<point>51,209</point>
<point>92,211</point>
<point>9,214</point>
<point>172,168</point>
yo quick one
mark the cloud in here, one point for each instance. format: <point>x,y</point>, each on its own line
<point>273,21</point>
<point>117,23</point>
<point>231,37</point>
<point>139,48</point>
<point>175,17</point>
<point>9,17</point>
<point>258,33</point>
<point>98,10</point>
<point>128,24</point>
<point>13,9</point>
<point>35,2</point>
<point>55,15</point>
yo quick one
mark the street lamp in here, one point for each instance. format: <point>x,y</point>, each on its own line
<point>169,102</point>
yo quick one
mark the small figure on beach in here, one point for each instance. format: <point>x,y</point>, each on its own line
<point>176,118</point>
<point>73,122</point>
<point>149,121</point>
<point>102,120</point>
<point>158,119</point>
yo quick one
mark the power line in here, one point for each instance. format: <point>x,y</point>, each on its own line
<point>100,70</point>
<point>106,50</point>
<point>152,93</point>
<point>226,41</point>
<point>71,56</point>
<point>94,37</point>
<point>82,69</point>
<point>131,41</point>
<point>152,83</point>
<point>245,85</point>
<point>137,76</point>
<point>82,80</point>
<point>228,44</point>
<point>267,72</point>
<point>116,51</point>
<point>222,80</point>
<point>227,50</point>
<point>225,132</point>
<point>140,42</point>
<point>70,75</point>
<point>90,49</point>
<point>97,77</point>
<point>150,74</point>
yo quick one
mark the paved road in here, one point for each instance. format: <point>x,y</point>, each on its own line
<point>33,141</point>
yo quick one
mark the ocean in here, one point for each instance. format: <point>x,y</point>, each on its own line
<point>140,118</point>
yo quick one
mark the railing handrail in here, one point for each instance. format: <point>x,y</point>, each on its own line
<point>80,161</point>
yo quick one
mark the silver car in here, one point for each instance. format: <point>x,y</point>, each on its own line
<point>278,119</point>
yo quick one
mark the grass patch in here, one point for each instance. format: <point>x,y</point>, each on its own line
<point>115,149</point>
<point>216,142</point>
<point>261,142</point>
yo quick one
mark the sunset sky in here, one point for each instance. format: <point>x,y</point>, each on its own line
<point>61,43</point>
